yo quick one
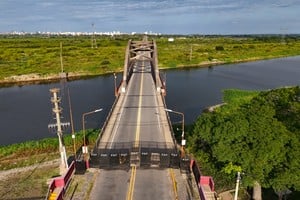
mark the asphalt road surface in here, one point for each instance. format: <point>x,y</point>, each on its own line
<point>138,119</point>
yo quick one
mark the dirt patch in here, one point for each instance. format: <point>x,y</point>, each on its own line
<point>34,78</point>
<point>27,182</point>
<point>226,195</point>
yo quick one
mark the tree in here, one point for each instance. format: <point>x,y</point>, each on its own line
<point>260,137</point>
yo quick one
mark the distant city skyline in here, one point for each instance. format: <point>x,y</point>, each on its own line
<point>111,33</point>
<point>158,16</point>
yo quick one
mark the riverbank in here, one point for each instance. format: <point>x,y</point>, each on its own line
<point>38,59</point>
<point>35,78</point>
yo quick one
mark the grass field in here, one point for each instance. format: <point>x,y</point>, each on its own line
<point>39,158</point>
<point>40,55</point>
<point>32,152</point>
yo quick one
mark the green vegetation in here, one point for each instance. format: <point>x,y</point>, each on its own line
<point>205,51</point>
<point>257,133</point>
<point>40,55</point>
<point>34,152</point>
<point>30,184</point>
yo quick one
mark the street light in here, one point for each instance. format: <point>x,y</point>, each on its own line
<point>115,80</point>
<point>238,178</point>
<point>183,141</point>
<point>85,150</point>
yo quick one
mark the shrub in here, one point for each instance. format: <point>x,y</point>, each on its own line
<point>105,62</point>
<point>219,48</point>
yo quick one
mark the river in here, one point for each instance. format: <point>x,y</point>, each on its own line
<point>26,111</point>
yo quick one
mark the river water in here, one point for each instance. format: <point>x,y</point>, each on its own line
<point>26,111</point>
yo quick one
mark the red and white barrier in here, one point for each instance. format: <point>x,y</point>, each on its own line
<point>59,185</point>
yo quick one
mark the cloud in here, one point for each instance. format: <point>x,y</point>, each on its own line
<point>181,15</point>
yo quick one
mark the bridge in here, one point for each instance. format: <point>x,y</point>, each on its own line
<point>138,131</point>
<point>137,140</point>
<point>136,150</point>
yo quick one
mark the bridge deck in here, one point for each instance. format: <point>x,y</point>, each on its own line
<point>139,120</point>
<point>139,113</point>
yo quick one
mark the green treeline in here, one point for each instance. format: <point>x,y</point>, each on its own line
<point>256,133</point>
<point>40,54</point>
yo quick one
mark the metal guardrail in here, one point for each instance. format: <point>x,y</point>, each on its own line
<point>169,120</point>
<point>205,184</point>
<point>59,185</point>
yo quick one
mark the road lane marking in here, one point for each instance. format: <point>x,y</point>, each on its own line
<point>131,183</point>
<point>138,120</point>
<point>174,183</point>
<point>120,115</point>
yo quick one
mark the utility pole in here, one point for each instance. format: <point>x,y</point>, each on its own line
<point>283,34</point>
<point>62,74</point>
<point>191,52</point>
<point>94,43</point>
<point>58,126</point>
<point>61,59</point>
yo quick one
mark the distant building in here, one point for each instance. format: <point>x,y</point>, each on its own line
<point>170,39</point>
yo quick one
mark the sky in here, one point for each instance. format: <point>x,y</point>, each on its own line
<point>159,16</point>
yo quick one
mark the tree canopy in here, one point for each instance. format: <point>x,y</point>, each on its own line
<point>255,133</point>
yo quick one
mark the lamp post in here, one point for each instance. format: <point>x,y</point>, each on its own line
<point>115,80</point>
<point>238,178</point>
<point>85,148</point>
<point>183,141</point>
<point>72,124</point>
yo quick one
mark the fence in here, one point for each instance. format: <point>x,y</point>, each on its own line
<point>143,154</point>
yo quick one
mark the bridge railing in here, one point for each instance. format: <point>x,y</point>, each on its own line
<point>59,185</point>
<point>169,120</point>
<point>205,184</point>
<point>126,61</point>
<point>155,63</point>
<point>105,123</point>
